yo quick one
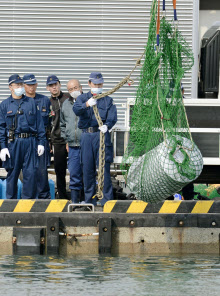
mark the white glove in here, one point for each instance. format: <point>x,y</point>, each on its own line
<point>103,128</point>
<point>92,102</point>
<point>4,153</point>
<point>40,150</point>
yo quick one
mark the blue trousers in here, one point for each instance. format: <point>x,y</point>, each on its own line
<point>23,156</point>
<point>75,168</point>
<point>43,188</point>
<point>90,159</point>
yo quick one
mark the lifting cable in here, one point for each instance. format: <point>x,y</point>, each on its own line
<point>125,80</point>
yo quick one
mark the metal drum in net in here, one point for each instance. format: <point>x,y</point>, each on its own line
<point>160,173</point>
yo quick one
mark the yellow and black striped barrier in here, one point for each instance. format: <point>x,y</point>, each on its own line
<point>33,205</point>
<point>165,207</point>
<point>113,206</point>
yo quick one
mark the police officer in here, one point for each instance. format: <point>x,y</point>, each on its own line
<point>22,138</point>
<point>91,135</point>
<point>59,146</point>
<point>71,134</point>
<point>43,105</point>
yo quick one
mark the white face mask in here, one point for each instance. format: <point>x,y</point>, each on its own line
<point>75,94</point>
<point>19,91</point>
<point>96,90</point>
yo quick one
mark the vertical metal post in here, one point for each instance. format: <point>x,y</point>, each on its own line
<point>105,235</point>
<point>52,242</point>
<point>195,48</point>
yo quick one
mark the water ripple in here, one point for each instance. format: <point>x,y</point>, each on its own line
<point>109,276</point>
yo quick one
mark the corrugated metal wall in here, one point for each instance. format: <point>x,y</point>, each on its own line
<point>73,38</point>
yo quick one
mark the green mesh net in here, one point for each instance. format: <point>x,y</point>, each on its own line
<point>161,157</point>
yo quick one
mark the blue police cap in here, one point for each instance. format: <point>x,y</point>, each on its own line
<point>96,77</point>
<point>52,79</point>
<point>29,79</point>
<point>15,78</point>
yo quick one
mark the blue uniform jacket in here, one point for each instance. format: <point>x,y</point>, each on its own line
<point>43,103</point>
<point>30,121</point>
<point>106,107</point>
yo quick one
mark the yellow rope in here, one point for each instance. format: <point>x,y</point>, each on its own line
<point>122,82</point>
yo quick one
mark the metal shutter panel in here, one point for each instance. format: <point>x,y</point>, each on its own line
<point>73,38</point>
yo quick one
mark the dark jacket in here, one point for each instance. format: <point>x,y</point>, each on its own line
<point>43,104</point>
<point>69,124</point>
<point>56,103</point>
<point>107,111</point>
<point>28,121</point>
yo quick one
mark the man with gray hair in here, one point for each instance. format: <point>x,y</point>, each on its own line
<point>71,134</point>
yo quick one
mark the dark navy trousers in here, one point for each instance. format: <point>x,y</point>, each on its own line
<point>43,188</point>
<point>75,168</point>
<point>23,156</point>
<point>90,158</point>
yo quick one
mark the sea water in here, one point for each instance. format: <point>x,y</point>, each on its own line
<point>108,275</point>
